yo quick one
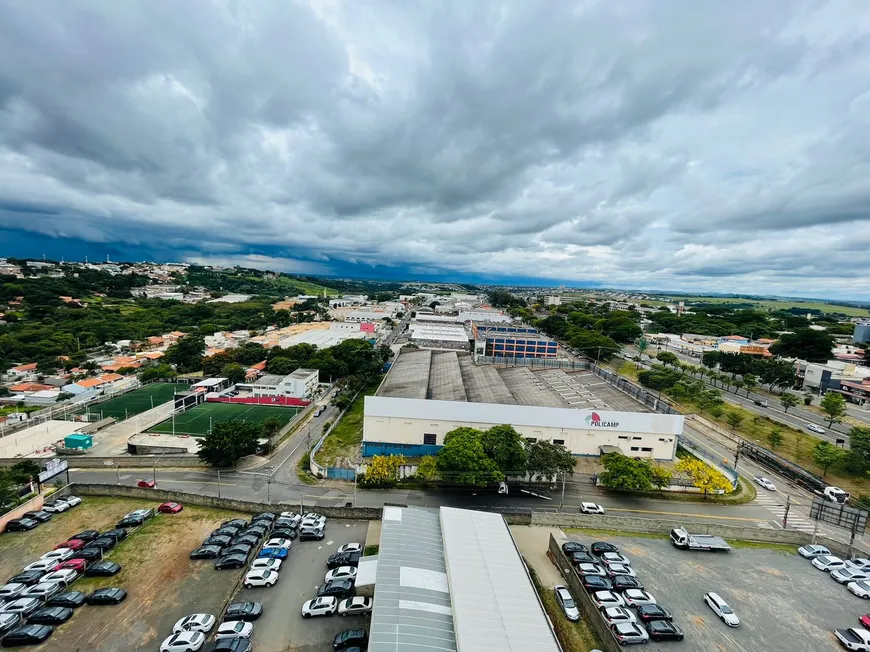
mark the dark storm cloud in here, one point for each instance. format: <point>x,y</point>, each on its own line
<point>638,143</point>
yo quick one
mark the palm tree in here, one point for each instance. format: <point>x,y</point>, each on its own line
<point>750,382</point>
<point>738,384</point>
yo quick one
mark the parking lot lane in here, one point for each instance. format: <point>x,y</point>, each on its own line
<point>281,627</point>
<point>784,604</point>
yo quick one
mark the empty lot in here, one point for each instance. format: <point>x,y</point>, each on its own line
<point>783,603</point>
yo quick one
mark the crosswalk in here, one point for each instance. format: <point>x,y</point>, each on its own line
<point>776,505</point>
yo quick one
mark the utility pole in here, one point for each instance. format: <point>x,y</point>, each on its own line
<point>219,482</point>
<point>562,501</point>
<point>787,506</point>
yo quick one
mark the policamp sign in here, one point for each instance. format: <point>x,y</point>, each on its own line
<point>595,421</point>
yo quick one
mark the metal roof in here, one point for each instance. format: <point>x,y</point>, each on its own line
<point>495,606</point>
<point>412,609</point>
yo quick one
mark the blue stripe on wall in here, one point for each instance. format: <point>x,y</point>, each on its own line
<point>371,448</point>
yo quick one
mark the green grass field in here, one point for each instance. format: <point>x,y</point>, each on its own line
<point>135,402</point>
<point>772,304</point>
<point>198,420</point>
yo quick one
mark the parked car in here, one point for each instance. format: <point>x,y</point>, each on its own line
<point>72,544</point>
<point>264,516</point>
<point>71,599</point>
<point>38,515</point>
<point>566,602</point>
<point>108,595</point>
<point>625,582</point>
<point>234,629</point>
<point>89,554</point>
<point>596,583</point>
<point>220,540</point>
<point>635,597</point>
<point>78,565</point>
<point>664,630</point>
<point>341,573</point>
<point>231,561</point>
<point>761,403</point>
<point>260,577</point>
<point>130,521</point>
<point>103,543</point>
<point>247,539</point>
<point>244,611</point>
<point>343,559</point>
<point>865,620</point>
<point>615,558</point>
<point>8,622</point>
<point>846,575</point>
<point>11,591</point>
<point>861,589</point>
<point>721,609</point>
<point>286,524</point>
<point>350,547</point>
<point>55,506</point>
<point>72,501</point>
<point>183,642</point>
<point>170,508</point>
<point>290,516</point>
<point>272,553</point>
<point>591,508</point>
<point>24,606</point>
<point>818,429</point>
<point>20,525</point>
<point>854,638</point>
<point>860,563</point>
<point>338,588</point>
<point>629,633</point>
<point>86,535</point>
<point>118,534</point>
<point>310,534</point>
<point>43,590</point>
<point>103,569</point>
<point>322,606</point>
<point>285,533</point>
<point>570,547</point>
<point>767,484</point>
<point>828,562</point>
<point>317,523</point>
<point>583,558</point>
<point>64,576</point>
<point>28,577</point>
<point>194,623</point>
<point>350,638</point>
<point>619,569</point>
<point>278,542</point>
<point>237,523</point>
<point>239,549</point>
<point>231,645</point>
<point>50,616</point>
<point>27,635</point>
<point>600,547</point>
<point>61,554</point>
<point>604,599</point>
<point>613,615</point>
<point>813,551</point>
<point>206,552</point>
<point>355,606</point>
<point>265,562</point>
<point>146,484</point>
<point>226,531</point>
<point>649,612</point>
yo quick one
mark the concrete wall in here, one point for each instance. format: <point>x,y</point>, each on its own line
<point>31,505</point>
<point>131,461</point>
<point>162,495</point>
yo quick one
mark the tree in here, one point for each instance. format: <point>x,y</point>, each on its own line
<point>186,353</point>
<point>750,382</point>
<point>660,477</point>
<point>270,426</point>
<point>626,473</point>
<point>7,489</point>
<point>546,459</point>
<point>383,470</point>
<point>234,372</point>
<point>504,446</point>
<point>703,476</point>
<point>858,458</point>
<point>281,366</point>
<point>808,399</point>
<point>738,384</point>
<point>63,396</point>
<point>228,442</point>
<point>463,460</point>
<point>667,358</point>
<point>154,372</point>
<point>788,400</point>
<point>825,454</point>
<point>734,419</point>
<point>427,469</point>
<point>774,437</point>
<point>716,411</point>
<point>24,471</point>
<point>834,405</point>
<point>804,343</point>
<point>212,365</point>
<point>710,359</point>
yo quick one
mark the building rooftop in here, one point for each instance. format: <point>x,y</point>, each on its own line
<point>303,373</point>
<point>270,380</point>
<point>439,332</point>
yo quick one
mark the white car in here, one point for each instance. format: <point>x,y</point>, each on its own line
<point>55,507</point>
<point>23,605</point>
<point>183,641</point>
<point>613,615</point>
<point>43,590</point>
<point>721,609</point>
<point>815,428</point>
<point>859,563</point>
<point>72,501</point>
<point>812,551</point>
<point>11,591</point>
<point>291,515</point>
<point>354,606</point>
<point>620,569</point>
<point>854,638</point>
<point>609,558</point>
<point>260,577</point>
<point>604,599</point>
<point>767,484</point>
<point>273,564</point>
<point>313,515</point>
<point>350,547</point>
<point>635,597</point>
<point>317,523</point>
<point>590,569</point>
<point>65,576</point>
<point>324,606</point>
<point>341,573</point>
<point>566,602</point>
<point>846,574</point>
<point>59,555</point>
<point>591,508</point>
<point>195,623</point>
<point>860,588</point>
<point>629,632</point>
<point>828,563</point>
<point>42,565</point>
<point>278,543</point>
<point>234,629</point>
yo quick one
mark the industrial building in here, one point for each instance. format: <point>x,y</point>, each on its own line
<point>502,341</point>
<point>328,334</point>
<point>451,579</point>
<point>302,384</point>
<point>439,335</point>
<point>861,333</point>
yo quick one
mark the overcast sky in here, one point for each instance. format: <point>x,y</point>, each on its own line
<point>671,144</point>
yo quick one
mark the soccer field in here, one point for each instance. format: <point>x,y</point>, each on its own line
<point>135,402</point>
<point>198,420</point>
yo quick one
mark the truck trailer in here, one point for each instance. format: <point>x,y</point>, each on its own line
<point>681,538</point>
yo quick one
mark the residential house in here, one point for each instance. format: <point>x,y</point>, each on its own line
<point>22,371</point>
<point>26,388</point>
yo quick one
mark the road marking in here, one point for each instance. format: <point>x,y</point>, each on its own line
<point>649,511</point>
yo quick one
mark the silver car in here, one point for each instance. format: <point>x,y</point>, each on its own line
<point>563,597</point>
<point>613,615</point>
<point>629,632</point>
<point>811,552</point>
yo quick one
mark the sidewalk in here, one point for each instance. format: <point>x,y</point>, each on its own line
<point>533,542</point>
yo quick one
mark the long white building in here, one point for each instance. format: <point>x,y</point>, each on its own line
<point>413,427</point>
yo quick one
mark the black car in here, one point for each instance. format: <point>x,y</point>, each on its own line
<point>343,559</point>
<point>286,522</point>
<point>247,539</point>
<point>285,533</point>
<point>239,549</point>
<point>221,540</point>
<point>594,583</point>
<point>624,582</point>
<point>236,522</point>
<point>664,630</point>
<point>27,635</point>
<point>244,611</point>
<point>570,547</point>
<point>89,554</point>
<point>264,516</point>
<point>581,557</point>
<point>71,599</point>
<point>231,561</point>
<point>649,612</point>
<point>206,552</point>
<point>50,616</point>
<point>40,516</point>
<point>310,534</point>
<point>226,531</point>
<point>109,595</point>
<point>102,569</point>
<point>337,588</point>
<point>103,543</point>
<point>130,521</point>
<point>235,644</point>
<point>349,638</point>
<point>118,534</point>
<point>8,622</point>
<point>255,531</point>
<point>20,525</point>
<point>600,547</point>
<point>28,578</point>
<point>86,535</point>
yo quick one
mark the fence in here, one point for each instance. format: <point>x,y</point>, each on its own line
<point>652,400</point>
<point>542,363</point>
<point>709,458</point>
<point>340,473</point>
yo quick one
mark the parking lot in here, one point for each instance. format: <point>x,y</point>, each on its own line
<point>281,628</point>
<point>784,604</point>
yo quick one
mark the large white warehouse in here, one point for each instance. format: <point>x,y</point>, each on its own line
<point>413,427</point>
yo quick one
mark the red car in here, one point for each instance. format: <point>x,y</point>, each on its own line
<point>72,544</point>
<point>148,484</point>
<point>76,564</point>
<point>170,508</point>
<point>865,620</point>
